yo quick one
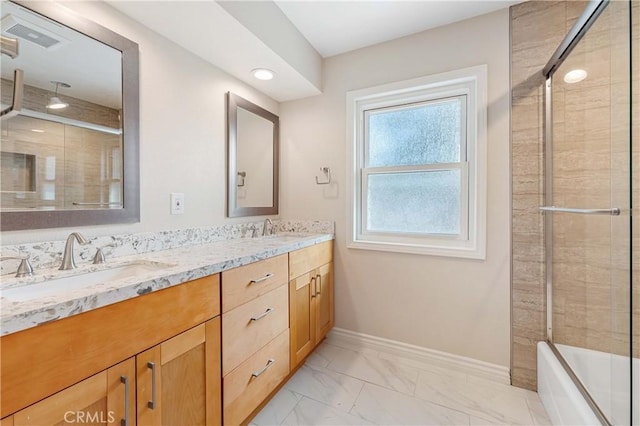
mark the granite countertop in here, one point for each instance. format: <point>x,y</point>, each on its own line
<point>158,270</point>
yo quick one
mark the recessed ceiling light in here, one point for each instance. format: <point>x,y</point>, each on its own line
<point>263,74</point>
<point>37,130</point>
<point>575,76</point>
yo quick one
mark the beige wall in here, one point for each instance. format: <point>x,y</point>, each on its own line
<point>182,132</point>
<point>453,305</point>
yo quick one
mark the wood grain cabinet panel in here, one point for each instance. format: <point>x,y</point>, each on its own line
<point>323,302</point>
<point>249,327</point>
<point>310,299</point>
<point>309,258</point>
<point>302,317</point>
<point>248,385</point>
<point>106,398</point>
<point>64,352</point>
<point>245,283</point>
<point>178,381</point>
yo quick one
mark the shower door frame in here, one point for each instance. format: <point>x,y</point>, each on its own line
<point>591,13</point>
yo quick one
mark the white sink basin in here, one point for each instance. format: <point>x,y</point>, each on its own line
<point>74,282</point>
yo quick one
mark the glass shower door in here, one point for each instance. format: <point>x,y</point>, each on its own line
<point>590,240</point>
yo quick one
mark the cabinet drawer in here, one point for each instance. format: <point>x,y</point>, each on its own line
<point>249,327</point>
<point>239,285</point>
<point>243,392</point>
<point>306,259</point>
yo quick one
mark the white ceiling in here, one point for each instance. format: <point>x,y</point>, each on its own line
<point>288,36</point>
<point>335,27</point>
<point>90,67</point>
<point>292,36</point>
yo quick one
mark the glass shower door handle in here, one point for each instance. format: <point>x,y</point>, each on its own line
<point>615,211</point>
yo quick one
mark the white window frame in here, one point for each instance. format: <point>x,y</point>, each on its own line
<point>471,242</point>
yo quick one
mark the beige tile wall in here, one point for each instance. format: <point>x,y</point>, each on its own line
<point>71,165</point>
<point>591,155</point>
<point>591,306</point>
<point>36,99</point>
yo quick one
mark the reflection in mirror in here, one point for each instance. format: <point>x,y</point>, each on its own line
<point>69,151</point>
<point>252,159</point>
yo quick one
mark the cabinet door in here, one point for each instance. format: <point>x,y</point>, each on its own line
<point>323,301</point>
<point>104,398</point>
<point>179,380</point>
<point>301,317</point>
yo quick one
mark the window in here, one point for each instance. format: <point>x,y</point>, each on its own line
<point>417,165</point>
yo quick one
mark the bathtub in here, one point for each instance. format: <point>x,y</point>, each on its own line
<point>564,402</point>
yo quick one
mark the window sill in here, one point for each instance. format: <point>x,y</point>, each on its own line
<point>463,252</point>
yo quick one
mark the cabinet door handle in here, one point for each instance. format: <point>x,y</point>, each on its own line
<point>262,315</point>
<point>263,369</point>
<point>152,404</point>
<point>313,287</point>
<point>125,421</point>
<point>259,280</point>
<point>319,281</point>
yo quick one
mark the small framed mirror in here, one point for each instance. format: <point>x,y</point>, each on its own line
<point>252,158</point>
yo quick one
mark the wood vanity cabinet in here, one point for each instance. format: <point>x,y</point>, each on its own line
<point>108,397</point>
<point>178,381</point>
<point>75,364</point>
<point>255,335</point>
<point>310,299</point>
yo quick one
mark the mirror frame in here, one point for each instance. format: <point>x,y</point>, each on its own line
<point>130,211</point>
<point>233,102</point>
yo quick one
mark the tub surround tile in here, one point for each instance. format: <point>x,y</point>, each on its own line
<point>537,28</point>
<point>185,264</point>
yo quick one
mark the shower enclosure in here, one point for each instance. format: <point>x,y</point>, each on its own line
<point>591,185</point>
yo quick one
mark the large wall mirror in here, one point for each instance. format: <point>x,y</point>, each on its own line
<point>69,149</point>
<point>252,149</point>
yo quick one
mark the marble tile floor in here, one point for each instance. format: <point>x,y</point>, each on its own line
<point>347,386</point>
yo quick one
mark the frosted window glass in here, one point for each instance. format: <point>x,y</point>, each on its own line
<point>417,202</point>
<point>424,134</point>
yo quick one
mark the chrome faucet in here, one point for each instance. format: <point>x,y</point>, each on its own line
<point>67,257</point>
<point>267,221</point>
<point>24,269</point>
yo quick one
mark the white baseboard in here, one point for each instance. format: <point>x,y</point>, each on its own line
<point>352,340</point>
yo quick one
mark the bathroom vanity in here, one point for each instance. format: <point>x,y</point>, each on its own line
<point>204,341</point>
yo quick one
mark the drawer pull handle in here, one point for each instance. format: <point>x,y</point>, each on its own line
<point>152,404</point>
<point>259,280</point>
<point>314,287</point>
<point>319,281</point>
<point>262,315</point>
<point>125,421</point>
<point>263,369</point>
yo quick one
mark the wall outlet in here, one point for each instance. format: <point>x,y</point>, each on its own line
<point>177,203</point>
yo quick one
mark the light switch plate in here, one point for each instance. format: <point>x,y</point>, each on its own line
<point>177,203</point>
